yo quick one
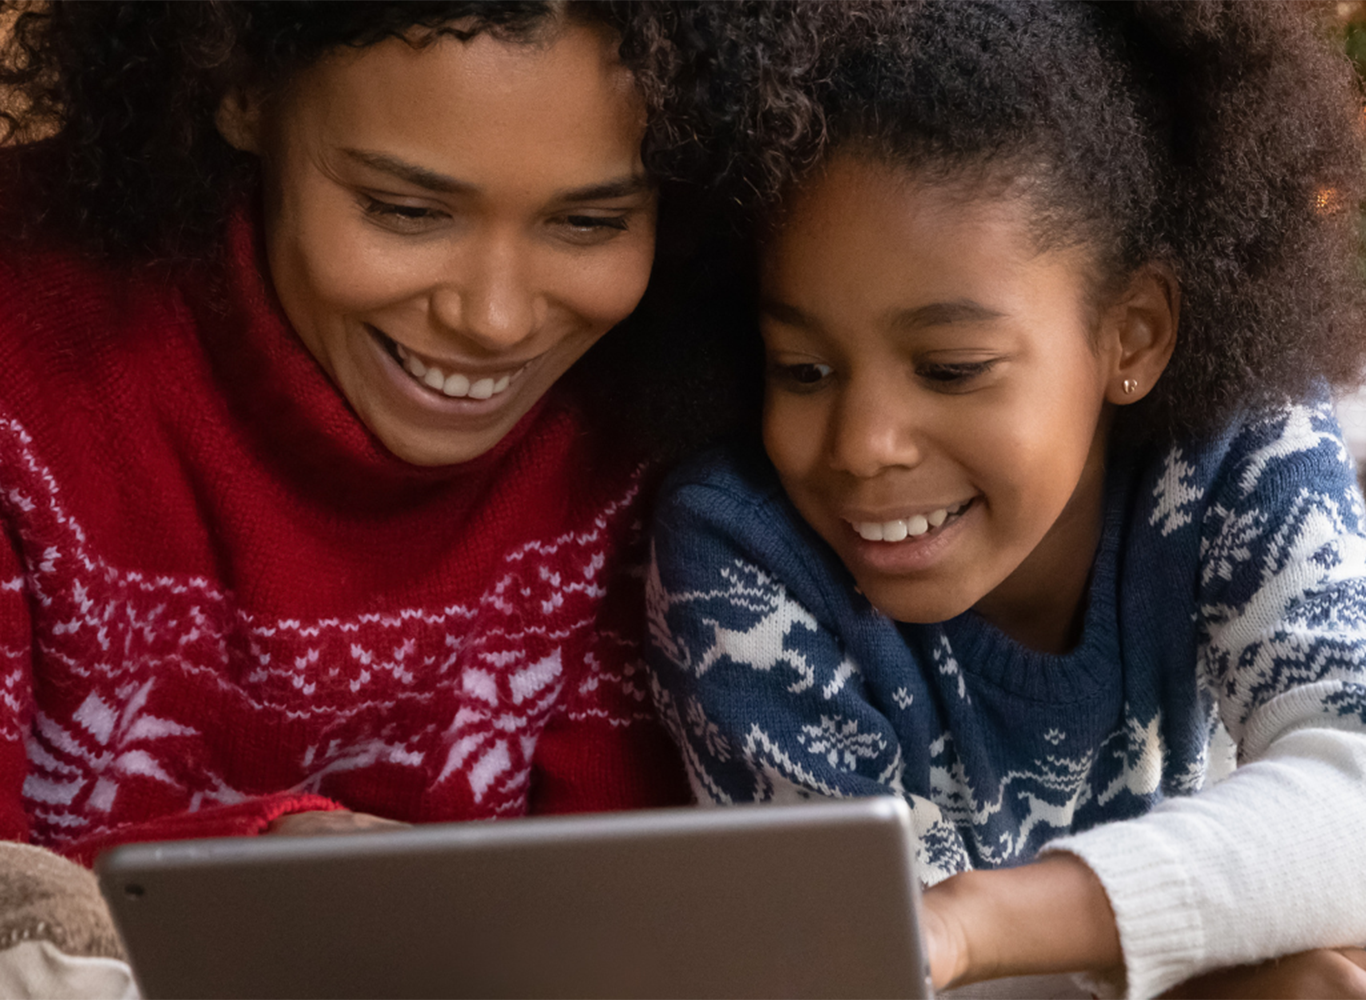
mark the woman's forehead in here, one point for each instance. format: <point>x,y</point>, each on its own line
<point>482,106</point>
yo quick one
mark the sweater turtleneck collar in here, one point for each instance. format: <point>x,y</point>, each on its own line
<point>284,397</point>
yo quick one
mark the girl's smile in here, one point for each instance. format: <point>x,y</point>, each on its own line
<point>937,397</point>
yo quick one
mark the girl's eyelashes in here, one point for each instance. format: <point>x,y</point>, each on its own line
<point>943,376</point>
<point>801,375</point>
<point>951,375</point>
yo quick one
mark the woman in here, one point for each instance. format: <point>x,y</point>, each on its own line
<point>306,527</point>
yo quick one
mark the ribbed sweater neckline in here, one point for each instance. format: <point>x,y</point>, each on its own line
<point>282,394</point>
<point>986,652</point>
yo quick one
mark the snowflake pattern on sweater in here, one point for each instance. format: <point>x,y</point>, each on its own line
<point>129,658</point>
<point>1229,589</point>
<point>223,601</point>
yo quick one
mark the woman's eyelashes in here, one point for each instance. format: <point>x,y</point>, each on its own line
<point>590,230</point>
<point>577,228</point>
<point>399,217</point>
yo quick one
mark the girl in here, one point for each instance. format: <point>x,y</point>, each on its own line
<point>1053,504</point>
<point>307,524</point>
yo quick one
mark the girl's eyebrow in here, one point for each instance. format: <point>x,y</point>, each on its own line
<point>784,313</point>
<point>933,314</point>
<point>943,314</point>
<point>619,187</point>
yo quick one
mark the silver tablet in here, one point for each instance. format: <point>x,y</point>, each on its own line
<point>817,899</point>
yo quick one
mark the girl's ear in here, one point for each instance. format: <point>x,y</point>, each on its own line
<point>239,120</point>
<point>1140,328</point>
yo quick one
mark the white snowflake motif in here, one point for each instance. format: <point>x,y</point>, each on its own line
<point>1055,736</point>
<point>708,732</point>
<point>948,666</point>
<point>115,730</point>
<point>1174,494</point>
<point>903,698</point>
<point>841,744</point>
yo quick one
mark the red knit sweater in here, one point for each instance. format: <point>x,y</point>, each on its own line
<point>221,600</point>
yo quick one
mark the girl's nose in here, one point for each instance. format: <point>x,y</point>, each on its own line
<point>872,433</point>
<point>488,300</point>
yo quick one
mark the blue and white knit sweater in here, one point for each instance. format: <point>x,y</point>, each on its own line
<point>1230,587</point>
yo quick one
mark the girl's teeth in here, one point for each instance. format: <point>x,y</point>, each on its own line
<point>434,378</point>
<point>898,531</point>
<point>456,385</point>
<point>482,389</point>
<point>869,531</point>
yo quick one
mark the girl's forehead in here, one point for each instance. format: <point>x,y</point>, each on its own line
<point>863,242</point>
<point>867,208</point>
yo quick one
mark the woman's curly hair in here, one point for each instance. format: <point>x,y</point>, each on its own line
<point>1223,139</point>
<point>118,100</point>
<point>108,145</point>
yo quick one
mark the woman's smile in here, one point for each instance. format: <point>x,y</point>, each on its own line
<point>450,227</point>
<point>441,389</point>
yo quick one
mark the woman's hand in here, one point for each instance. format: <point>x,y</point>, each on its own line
<point>1322,973</point>
<point>336,821</point>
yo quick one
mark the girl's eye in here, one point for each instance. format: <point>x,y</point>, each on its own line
<point>803,375</point>
<point>954,375</point>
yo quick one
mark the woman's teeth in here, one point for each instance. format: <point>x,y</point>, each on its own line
<point>897,531</point>
<point>451,385</point>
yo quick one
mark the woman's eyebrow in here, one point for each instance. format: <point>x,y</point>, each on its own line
<point>618,187</point>
<point>410,172</point>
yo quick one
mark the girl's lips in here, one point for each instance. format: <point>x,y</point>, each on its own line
<point>913,553</point>
<point>897,529</point>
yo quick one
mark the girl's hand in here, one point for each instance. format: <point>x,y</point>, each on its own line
<point>945,937</point>
<point>1322,973</point>
<point>1051,915</point>
<point>305,824</point>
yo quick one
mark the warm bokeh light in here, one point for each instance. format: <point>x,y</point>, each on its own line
<point>1328,201</point>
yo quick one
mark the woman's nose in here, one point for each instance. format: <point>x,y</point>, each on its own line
<point>872,433</point>
<point>488,299</point>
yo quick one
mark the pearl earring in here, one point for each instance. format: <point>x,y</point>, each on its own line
<point>1130,384</point>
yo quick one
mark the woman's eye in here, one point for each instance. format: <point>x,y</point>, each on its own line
<point>402,218</point>
<point>589,230</point>
<point>803,375</point>
<point>617,222</point>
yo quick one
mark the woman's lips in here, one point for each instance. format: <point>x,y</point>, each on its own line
<point>436,382</point>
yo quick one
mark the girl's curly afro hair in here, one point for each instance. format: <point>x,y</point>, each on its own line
<point>1223,139</point>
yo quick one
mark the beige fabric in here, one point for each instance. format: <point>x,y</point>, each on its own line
<point>35,970</point>
<point>1059,987</point>
<point>44,897</point>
